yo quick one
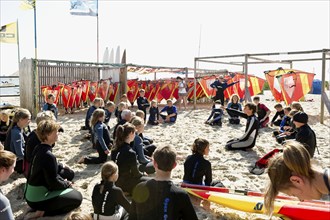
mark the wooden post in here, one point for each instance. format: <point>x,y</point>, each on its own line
<point>247,92</point>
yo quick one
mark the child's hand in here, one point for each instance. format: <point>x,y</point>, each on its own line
<point>107,152</point>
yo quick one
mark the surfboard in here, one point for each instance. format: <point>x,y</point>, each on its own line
<point>253,204</point>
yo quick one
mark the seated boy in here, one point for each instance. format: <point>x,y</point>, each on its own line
<point>279,114</point>
<point>159,198</point>
<point>109,108</point>
<point>305,134</point>
<point>50,105</point>
<point>262,111</point>
<point>216,114</point>
<point>171,111</point>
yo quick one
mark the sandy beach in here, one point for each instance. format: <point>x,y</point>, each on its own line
<point>231,167</point>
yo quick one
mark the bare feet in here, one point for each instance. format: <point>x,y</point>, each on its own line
<point>81,160</point>
<point>34,215</point>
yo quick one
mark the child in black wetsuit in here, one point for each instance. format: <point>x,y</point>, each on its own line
<point>279,114</point>
<point>4,125</point>
<point>143,103</point>
<point>159,198</point>
<point>234,104</point>
<point>153,114</point>
<point>101,139</point>
<point>198,170</point>
<point>50,105</point>
<point>216,114</point>
<point>125,157</point>
<point>108,200</point>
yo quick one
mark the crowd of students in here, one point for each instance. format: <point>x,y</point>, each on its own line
<point>133,156</point>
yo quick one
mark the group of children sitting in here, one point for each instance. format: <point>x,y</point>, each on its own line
<point>133,157</point>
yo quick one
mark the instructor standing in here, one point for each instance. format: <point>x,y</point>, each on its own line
<point>221,85</point>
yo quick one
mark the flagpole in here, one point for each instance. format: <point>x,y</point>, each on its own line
<point>18,51</point>
<point>97,29</point>
<point>36,101</point>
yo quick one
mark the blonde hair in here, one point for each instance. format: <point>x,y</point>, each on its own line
<point>79,216</point>
<point>108,169</point>
<point>137,121</point>
<point>5,113</point>
<point>45,115</point>
<point>45,128</point>
<point>98,101</point>
<point>121,106</point>
<point>97,114</point>
<point>109,104</point>
<point>139,113</point>
<point>7,159</point>
<point>294,159</point>
<point>153,102</point>
<point>293,112</point>
<point>297,106</point>
<point>20,113</point>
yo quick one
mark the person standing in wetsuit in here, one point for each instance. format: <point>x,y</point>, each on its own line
<point>221,85</point>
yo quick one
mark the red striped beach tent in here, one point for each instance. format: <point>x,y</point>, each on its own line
<point>289,85</point>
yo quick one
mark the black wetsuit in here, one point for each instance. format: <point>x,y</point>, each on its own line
<point>278,114</point>
<point>153,116</point>
<point>121,122</point>
<point>307,137</point>
<point>102,142</point>
<point>248,140</point>
<point>46,190</point>
<point>32,142</point>
<point>234,119</point>
<point>3,130</point>
<point>221,87</point>
<point>143,104</point>
<point>88,116</point>
<point>107,116</point>
<point>106,203</point>
<point>159,200</point>
<point>129,174</point>
<point>195,168</point>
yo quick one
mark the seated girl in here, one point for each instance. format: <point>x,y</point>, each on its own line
<point>102,140</point>
<point>46,191</point>
<point>108,200</point>
<point>153,114</point>
<point>197,168</point>
<point>216,114</point>
<point>144,152</point>
<point>234,104</point>
<point>123,155</point>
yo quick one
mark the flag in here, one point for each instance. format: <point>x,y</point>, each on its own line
<point>8,33</point>
<point>84,7</point>
<point>27,4</point>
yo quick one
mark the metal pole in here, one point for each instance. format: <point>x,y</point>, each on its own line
<point>247,93</point>
<point>97,27</point>
<point>323,87</point>
<point>195,83</point>
<point>18,51</point>
<point>36,75</point>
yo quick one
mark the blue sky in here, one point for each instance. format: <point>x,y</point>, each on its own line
<point>167,33</point>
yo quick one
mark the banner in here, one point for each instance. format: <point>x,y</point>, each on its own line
<point>8,33</point>
<point>84,7</point>
<point>27,4</point>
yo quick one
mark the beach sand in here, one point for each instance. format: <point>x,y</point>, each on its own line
<point>231,167</point>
